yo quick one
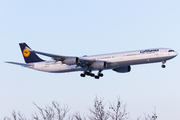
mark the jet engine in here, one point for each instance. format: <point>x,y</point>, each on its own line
<point>123,69</point>
<point>100,65</point>
<point>71,60</point>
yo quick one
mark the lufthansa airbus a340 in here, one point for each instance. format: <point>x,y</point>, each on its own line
<point>120,62</point>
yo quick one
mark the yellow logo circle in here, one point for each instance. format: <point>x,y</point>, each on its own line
<point>26,53</point>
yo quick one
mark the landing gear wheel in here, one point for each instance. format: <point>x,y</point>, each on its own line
<point>92,75</point>
<point>88,73</point>
<point>82,75</point>
<point>163,66</point>
<point>101,75</point>
<point>96,77</point>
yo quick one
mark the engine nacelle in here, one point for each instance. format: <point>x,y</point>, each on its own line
<point>123,69</point>
<point>71,61</point>
<point>99,65</point>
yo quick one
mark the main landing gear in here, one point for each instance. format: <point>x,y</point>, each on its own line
<point>163,62</point>
<point>89,73</point>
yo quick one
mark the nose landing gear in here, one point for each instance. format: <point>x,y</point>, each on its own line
<point>163,62</point>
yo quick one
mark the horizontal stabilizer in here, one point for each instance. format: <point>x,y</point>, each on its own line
<point>22,64</point>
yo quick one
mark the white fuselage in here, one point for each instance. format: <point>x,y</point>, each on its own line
<point>114,60</point>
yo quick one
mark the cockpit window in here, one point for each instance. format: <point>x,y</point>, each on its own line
<point>171,51</point>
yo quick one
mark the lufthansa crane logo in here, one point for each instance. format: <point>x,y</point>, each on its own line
<point>26,53</point>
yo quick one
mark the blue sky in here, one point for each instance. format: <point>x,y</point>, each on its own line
<point>86,28</point>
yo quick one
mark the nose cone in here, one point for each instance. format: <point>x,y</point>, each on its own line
<point>176,53</point>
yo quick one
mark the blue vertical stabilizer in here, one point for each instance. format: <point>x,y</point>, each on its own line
<point>29,57</point>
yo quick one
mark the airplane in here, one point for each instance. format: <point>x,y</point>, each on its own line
<point>120,62</point>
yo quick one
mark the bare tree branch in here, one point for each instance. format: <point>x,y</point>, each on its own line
<point>35,116</point>
<point>77,116</point>
<point>61,112</point>
<point>14,115</point>
<point>97,112</point>
<point>21,116</point>
<point>52,112</point>
<point>7,118</point>
<point>139,118</point>
<point>118,111</point>
<point>41,111</point>
<point>148,117</point>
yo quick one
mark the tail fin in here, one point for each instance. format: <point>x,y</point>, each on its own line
<point>29,57</point>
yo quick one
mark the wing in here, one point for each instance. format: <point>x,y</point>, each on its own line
<point>71,60</point>
<point>53,56</point>
<point>22,64</point>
